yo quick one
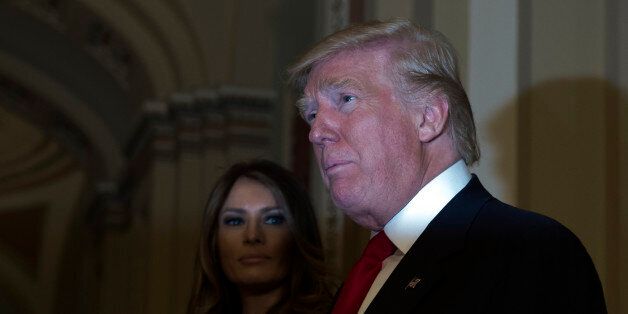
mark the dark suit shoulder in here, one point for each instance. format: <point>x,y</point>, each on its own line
<point>502,219</point>
<point>480,255</point>
<point>536,253</point>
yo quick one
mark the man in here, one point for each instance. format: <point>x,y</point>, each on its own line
<point>393,134</point>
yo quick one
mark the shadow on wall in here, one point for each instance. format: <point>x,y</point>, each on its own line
<point>568,152</point>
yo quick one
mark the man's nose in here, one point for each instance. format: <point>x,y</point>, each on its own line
<point>253,234</point>
<point>324,128</point>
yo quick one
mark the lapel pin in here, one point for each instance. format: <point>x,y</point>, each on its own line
<point>412,284</point>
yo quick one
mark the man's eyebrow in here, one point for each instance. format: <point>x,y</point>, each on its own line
<point>333,84</point>
<point>325,86</point>
<point>302,104</point>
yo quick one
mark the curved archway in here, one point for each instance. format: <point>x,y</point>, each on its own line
<point>160,38</point>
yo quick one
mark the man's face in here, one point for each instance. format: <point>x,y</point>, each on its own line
<point>365,140</point>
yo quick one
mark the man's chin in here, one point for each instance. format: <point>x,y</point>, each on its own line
<point>341,200</point>
<point>344,191</point>
<point>355,212</point>
<point>362,218</point>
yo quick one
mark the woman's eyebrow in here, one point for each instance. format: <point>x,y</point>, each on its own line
<point>234,210</point>
<point>243,211</point>
<point>271,208</point>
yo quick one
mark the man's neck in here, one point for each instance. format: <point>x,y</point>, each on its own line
<point>433,168</point>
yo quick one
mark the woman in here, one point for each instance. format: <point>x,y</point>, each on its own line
<point>260,249</point>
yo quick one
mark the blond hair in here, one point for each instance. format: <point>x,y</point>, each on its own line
<point>422,60</point>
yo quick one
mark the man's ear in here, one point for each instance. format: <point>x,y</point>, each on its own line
<point>435,113</point>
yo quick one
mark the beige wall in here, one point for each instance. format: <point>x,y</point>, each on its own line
<point>621,80</point>
<point>565,126</point>
<point>492,88</point>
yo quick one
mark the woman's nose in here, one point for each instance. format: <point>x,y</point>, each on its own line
<point>253,234</point>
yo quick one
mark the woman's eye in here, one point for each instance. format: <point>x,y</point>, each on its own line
<point>233,221</point>
<point>347,98</point>
<point>274,220</point>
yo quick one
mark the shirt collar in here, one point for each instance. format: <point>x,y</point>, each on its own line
<point>408,224</point>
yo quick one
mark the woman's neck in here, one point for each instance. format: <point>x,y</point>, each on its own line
<point>255,301</point>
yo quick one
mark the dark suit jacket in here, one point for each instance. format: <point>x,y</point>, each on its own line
<point>480,255</point>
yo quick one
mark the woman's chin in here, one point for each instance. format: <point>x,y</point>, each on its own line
<point>256,286</point>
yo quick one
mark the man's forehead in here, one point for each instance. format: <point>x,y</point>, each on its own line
<point>331,83</point>
<point>338,71</point>
<point>322,73</point>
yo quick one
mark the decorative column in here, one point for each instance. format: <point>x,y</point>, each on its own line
<point>334,15</point>
<point>493,66</point>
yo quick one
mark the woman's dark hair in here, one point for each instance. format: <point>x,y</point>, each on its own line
<point>308,290</point>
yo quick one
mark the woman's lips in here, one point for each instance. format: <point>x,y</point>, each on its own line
<point>253,259</point>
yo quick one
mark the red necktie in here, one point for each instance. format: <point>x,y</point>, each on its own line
<point>363,274</point>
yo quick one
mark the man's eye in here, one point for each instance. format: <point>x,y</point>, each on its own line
<point>233,221</point>
<point>309,117</point>
<point>348,98</point>
<point>274,220</point>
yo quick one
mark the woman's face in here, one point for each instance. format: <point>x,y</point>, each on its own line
<point>254,240</point>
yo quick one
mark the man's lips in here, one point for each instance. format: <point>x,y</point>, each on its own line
<point>252,259</point>
<point>333,165</point>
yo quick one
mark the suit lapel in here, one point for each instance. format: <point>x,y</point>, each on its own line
<point>420,269</point>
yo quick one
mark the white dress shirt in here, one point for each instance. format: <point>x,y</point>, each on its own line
<point>409,223</point>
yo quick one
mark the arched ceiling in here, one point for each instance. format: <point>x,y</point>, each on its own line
<point>33,157</point>
<point>161,36</point>
<point>26,38</point>
<point>97,62</point>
